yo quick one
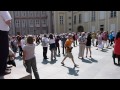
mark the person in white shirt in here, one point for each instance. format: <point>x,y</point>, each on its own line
<point>23,42</point>
<point>52,47</point>
<point>45,42</point>
<point>5,20</point>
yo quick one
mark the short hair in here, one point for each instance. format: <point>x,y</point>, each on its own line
<point>45,35</point>
<point>30,39</point>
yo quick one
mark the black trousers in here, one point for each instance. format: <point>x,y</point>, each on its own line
<point>63,48</point>
<point>45,52</point>
<point>20,51</point>
<point>4,50</point>
<point>116,56</point>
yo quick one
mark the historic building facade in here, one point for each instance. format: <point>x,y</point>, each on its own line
<point>32,22</point>
<point>74,21</point>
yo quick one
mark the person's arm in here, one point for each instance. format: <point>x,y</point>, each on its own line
<point>11,53</point>
<point>6,16</point>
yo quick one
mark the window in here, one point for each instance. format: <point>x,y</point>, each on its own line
<point>69,17</point>
<point>75,19</point>
<point>69,23</point>
<point>44,21</point>
<point>61,19</point>
<point>93,16</point>
<point>79,18</point>
<point>69,29</point>
<point>113,14</point>
<point>102,15</point>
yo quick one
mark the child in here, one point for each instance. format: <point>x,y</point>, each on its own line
<point>29,58</point>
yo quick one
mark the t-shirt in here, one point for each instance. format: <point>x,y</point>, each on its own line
<point>30,51</point>
<point>68,45</point>
<point>22,43</point>
<point>4,16</point>
<point>68,42</point>
<point>45,42</point>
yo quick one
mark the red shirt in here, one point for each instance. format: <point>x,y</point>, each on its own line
<point>117,46</point>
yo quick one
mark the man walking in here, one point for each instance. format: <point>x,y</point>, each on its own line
<point>5,20</point>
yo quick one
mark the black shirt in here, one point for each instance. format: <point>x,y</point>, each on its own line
<point>88,43</point>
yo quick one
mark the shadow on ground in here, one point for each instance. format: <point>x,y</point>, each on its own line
<point>93,60</point>
<point>46,61</point>
<point>104,50</point>
<point>72,71</point>
<point>86,61</point>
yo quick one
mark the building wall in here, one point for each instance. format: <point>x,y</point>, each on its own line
<point>31,22</point>
<point>102,18</point>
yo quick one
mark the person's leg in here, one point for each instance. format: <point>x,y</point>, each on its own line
<point>58,49</point>
<point>79,50</point>
<point>119,60</point>
<point>63,49</point>
<point>28,66</point>
<point>63,60</point>
<point>21,51</point>
<point>34,67</point>
<point>54,51</point>
<point>4,51</point>
<point>44,52</point>
<point>76,41</point>
<point>86,51</point>
<point>114,56</point>
<point>82,51</point>
<point>51,54</point>
<point>90,51</point>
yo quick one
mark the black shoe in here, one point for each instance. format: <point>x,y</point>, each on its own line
<point>5,73</point>
<point>76,65</point>
<point>46,58</point>
<point>62,63</point>
<point>9,66</point>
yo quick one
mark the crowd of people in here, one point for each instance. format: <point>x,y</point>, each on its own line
<point>26,46</point>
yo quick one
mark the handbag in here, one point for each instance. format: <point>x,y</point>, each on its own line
<point>11,62</point>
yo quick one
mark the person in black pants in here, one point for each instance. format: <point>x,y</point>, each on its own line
<point>45,46</point>
<point>57,44</point>
<point>63,43</point>
<point>5,20</point>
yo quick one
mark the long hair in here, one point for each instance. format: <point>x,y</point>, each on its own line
<point>51,36</point>
<point>118,35</point>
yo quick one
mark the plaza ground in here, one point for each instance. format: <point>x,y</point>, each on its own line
<point>100,67</point>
